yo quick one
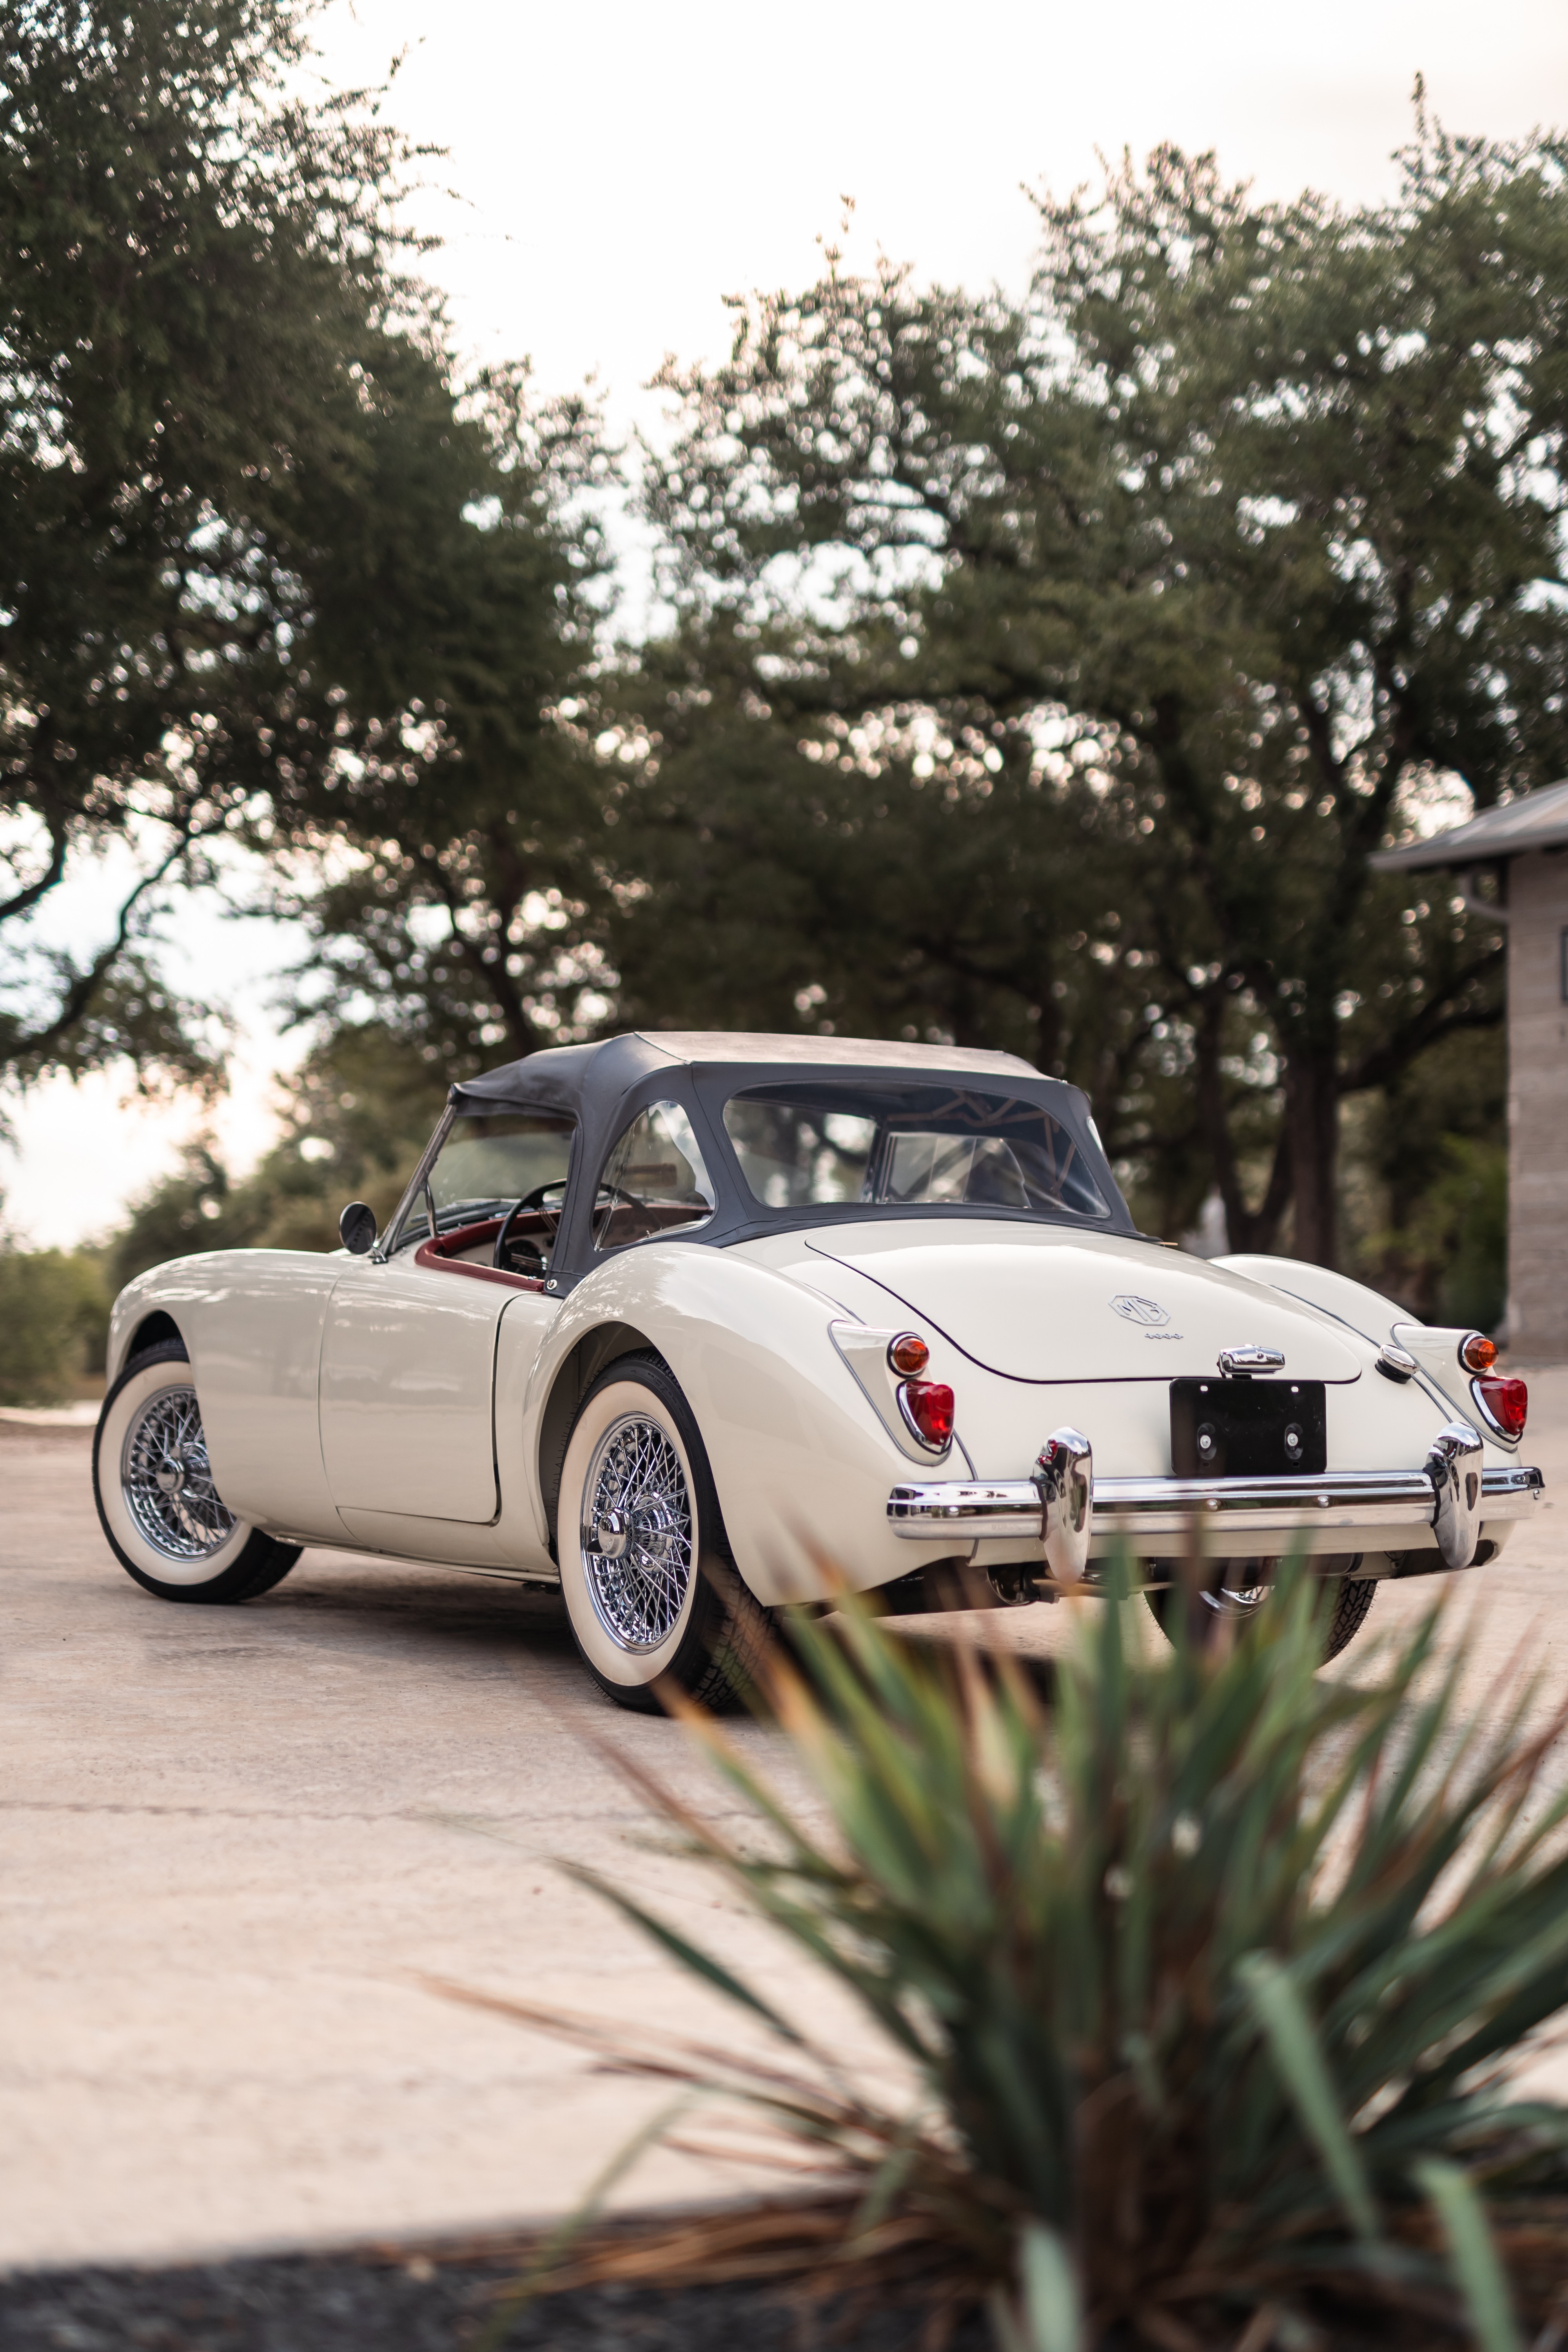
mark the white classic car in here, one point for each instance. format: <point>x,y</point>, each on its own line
<point>692,1325</point>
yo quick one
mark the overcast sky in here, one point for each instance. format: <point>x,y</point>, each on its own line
<point>614,171</point>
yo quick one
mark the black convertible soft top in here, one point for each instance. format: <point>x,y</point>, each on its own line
<point>604,1086</point>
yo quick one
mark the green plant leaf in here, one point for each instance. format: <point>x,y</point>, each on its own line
<point>690,1956</point>
<point>1191,1968</point>
<point>1473,2253</point>
<point>1050,2299</point>
<point>1296,2051</point>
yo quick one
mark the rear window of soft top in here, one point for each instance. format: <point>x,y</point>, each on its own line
<point>902,1146</point>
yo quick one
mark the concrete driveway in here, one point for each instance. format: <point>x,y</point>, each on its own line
<point>235,1840</point>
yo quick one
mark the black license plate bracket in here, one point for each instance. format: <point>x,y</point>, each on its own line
<point>1270,1428</point>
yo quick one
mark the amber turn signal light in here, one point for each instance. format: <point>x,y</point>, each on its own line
<point>908,1354</point>
<point>1477,1353</point>
<point>928,1409</point>
<point>1508,1403</point>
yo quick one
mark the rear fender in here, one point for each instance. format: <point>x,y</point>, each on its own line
<point>801,1465</point>
<point>1367,1311</point>
<point>1437,1350</point>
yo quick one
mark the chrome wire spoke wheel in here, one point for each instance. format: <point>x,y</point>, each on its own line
<point>1248,1585</point>
<point>638,1534</point>
<point>167,1481</point>
<point>1237,1599</point>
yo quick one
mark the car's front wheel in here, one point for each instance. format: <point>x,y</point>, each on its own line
<point>651,1591</point>
<point>1246,1589</point>
<point>166,1523</point>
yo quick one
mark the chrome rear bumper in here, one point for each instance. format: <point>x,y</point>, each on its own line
<point>1141,1508</point>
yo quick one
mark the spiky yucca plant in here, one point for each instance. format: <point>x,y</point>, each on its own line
<point>1210,1972</point>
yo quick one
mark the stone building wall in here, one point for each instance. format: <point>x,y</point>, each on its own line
<point>1538,1106</point>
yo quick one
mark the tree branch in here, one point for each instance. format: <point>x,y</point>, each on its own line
<point>85,986</point>
<point>24,900</point>
<point>1387,1061</point>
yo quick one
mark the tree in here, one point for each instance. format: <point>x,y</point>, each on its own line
<point>860,873</point>
<point>356,1116</point>
<point>449,826</point>
<point>1263,506</point>
<point>869,873</point>
<point>54,1309</point>
<point>206,324</point>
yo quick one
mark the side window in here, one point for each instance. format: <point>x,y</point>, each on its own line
<point>653,1180</point>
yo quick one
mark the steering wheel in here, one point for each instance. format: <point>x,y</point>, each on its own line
<point>536,1200</point>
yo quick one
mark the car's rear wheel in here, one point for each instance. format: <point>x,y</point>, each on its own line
<point>166,1523</point>
<point>651,1591</point>
<point>1246,1591</point>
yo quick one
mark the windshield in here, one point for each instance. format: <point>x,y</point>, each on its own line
<point>906,1147</point>
<point>486,1166</point>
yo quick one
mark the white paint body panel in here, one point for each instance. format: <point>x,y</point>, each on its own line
<point>252,1322</point>
<point>443,1399</point>
<point>1435,1348</point>
<point>1033,1302</point>
<point>801,1462</point>
<point>407,1391</point>
<point>498,1355</point>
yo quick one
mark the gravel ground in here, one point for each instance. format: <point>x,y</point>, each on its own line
<point>387,2302</point>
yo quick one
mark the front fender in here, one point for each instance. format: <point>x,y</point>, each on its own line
<point>251,1321</point>
<point>801,1463</point>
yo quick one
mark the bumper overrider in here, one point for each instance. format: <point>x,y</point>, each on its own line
<point>1064,1504</point>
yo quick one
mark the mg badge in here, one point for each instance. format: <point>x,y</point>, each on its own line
<point>1147,1311</point>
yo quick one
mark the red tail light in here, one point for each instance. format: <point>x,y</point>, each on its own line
<point>1508,1403</point>
<point>928,1409</point>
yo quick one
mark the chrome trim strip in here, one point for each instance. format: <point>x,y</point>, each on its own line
<point>977,1510</point>
<point>389,1240</point>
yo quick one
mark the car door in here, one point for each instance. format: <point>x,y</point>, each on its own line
<point>407,1385</point>
<point>407,1390</point>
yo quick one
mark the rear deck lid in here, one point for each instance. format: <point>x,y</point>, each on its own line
<point>1037,1303</point>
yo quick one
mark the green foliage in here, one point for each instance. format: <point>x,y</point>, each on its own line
<point>1232,524</point>
<point>785,884</point>
<point>359,1112</point>
<point>54,1311</point>
<point>1459,1235</point>
<point>1215,1970</point>
<point>197,268</point>
<point>195,1208</point>
<point>450,874</point>
<point>270,571</point>
<point>1426,1179</point>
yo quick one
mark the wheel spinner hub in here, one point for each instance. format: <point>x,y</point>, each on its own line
<point>638,1534</point>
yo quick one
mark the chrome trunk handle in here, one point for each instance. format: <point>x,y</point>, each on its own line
<point>1250,1359</point>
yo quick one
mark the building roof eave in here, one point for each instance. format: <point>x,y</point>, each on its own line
<point>1537,820</point>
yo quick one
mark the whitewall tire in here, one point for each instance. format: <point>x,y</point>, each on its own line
<point>651,1591</point>
<point>166,1523</point>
